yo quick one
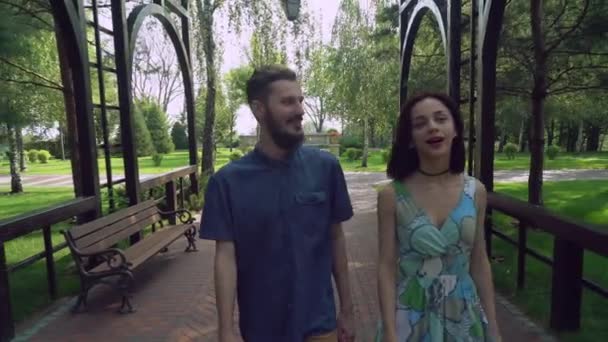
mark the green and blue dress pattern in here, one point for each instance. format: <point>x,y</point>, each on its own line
<point>437,299</point>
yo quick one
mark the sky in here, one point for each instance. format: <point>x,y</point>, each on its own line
<point>235,48</point>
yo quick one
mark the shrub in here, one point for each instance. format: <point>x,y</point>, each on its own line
<point>510,150</point>
<point>245,149</point>
<point>349,141</point>
<point>552,152</point>
<point>157,158</point>
<point>32,155</point>
<point>195,202</point>
<point>385,155</point>
<point>44,156</point>
<point>353,154</point>
<point>235,155</point>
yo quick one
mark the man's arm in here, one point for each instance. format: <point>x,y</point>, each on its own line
<point>225,288</point>
<point>340,269</point>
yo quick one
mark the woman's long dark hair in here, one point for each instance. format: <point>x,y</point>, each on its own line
<point>404,159</point>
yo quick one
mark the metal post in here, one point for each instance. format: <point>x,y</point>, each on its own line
<point>171,200</point>
<point>567,286</point>
<point>522,245</point>
<point>50,262</point>
<point>7,327</point>
<point>472,84</point>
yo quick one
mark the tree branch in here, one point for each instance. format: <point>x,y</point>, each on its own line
<point>32,73</point>
<point>575,88</point>
<point>33,83</point>
<point>577,24</point>
<point>29,12</point>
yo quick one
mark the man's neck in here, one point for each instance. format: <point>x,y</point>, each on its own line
<point>270,149</point>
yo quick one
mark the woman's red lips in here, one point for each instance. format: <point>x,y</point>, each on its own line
<point>434,140</point>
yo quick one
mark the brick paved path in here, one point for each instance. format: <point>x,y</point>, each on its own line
<point>175,297</point>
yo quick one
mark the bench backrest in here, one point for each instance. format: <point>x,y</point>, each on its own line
<point>106,231</point>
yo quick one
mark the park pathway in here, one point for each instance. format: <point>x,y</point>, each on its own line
<point>176,301</point>
<point>373,177</point>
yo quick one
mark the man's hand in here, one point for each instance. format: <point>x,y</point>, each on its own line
<point>346,326</point>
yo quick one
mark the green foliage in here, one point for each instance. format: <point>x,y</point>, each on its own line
<point>510,150</point>
<point>235,155</point>
<point>245,149</point>
<point>196,201</point>
<point>32,156</point>
<point>385,155</point>
<point>44,156</point>
<point>353,154</point>
<point>552,152</point>
<point>347,141</point>
<point>143,139</point>
<point>179,136</point>
<point>158,126</point>
<point>157,158</point>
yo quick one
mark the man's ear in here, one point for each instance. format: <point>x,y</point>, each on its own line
<point>258,109</point>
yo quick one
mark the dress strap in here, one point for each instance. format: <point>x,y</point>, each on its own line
<point>400,189</point>
<point>469,186</point>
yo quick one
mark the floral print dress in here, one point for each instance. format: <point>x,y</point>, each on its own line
<point>437,299</point>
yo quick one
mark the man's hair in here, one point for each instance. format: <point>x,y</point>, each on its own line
<point>258,85</point>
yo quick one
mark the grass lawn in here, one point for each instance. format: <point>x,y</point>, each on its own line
<point>586,200</point>
<point>170,162</point>
<point>375,163</point>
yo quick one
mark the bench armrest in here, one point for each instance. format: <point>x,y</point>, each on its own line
<point>183,215</point>
<point>113,257</point>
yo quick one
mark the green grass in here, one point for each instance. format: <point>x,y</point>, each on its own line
<point>375,163</point>
<point>585,200</point>
<point>146,164</point>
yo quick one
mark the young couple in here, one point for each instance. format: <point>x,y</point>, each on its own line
<point>276,216</point>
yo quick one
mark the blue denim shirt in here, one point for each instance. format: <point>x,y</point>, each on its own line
<point>279,215</point>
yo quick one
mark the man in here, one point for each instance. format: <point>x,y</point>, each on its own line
<point>276,215</point>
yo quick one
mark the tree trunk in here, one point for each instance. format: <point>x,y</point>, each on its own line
<point>365,141</point>
<point>561,139</point>
<point>62,143</point>
<point>70,110</point>
<point>580,138</point>
<point>523,129</point>
<point>593,138</point>
<point>502,143</point>
<point>539,93</point>
<point>571,138</point>
<point>601,148</point>
<point>206,28</point>
<point>13,155</point>
<point>550,132</point>
<point>20,152</point>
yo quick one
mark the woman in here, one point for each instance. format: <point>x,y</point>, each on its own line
<point>434,277</point>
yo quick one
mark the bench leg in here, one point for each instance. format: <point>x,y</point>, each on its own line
<point>191,236</point>
<point>82,301</point>
<point>125,286</point>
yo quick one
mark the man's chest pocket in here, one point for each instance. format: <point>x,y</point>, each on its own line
<point>311,210</point>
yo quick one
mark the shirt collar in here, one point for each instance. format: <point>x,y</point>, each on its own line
<point>289,159</point>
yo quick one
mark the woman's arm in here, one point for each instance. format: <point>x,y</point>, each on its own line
<point>387,261</point>
<point>481,272</point>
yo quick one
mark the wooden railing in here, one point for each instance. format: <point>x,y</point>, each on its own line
<point>571,239</point>
<point>43,220</point>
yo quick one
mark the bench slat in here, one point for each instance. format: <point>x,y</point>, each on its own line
<point>150,246</point>
<point>107,233</point>
<point>123,234</point>
<point>90,227</point>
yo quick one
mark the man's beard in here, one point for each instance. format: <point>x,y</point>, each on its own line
<point>280,136</point>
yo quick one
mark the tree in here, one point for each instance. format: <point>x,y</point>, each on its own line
<point>235,82</point>
<point>143,139</point>
<point>158,126</point>
<point>179,136</point>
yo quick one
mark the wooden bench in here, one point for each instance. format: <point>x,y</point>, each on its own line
<point>95,240</point>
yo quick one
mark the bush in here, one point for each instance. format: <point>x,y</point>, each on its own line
<point>245,149</point>
<point>510,150</point>
<point>32,155</point>
<point>235,155</point>
<point>385,155</point>
<point>195,202</point>
<point>353,154</point>
<point>349,141</point>
<point>552,152</point>
<point>157,158</point>
<point>44,156</point>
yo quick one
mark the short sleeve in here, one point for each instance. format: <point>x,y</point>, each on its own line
<point>341,208</point>
<point>216,219</point>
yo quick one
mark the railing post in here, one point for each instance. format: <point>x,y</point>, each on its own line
<point>7,328</point>
<point>50,263</point>
<point>181,193</point>
<point>522,244</point>
<point>171,200</point>
<point>488,232</point>
<point>567,286</point>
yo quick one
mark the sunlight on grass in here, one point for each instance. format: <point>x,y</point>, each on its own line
<point>583,200</point>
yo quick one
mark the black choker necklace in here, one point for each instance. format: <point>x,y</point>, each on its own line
<point>433,174</point>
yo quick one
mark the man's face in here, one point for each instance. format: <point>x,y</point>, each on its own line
<point>282,114</point>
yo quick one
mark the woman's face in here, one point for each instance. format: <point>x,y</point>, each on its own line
<point>433,128</point>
